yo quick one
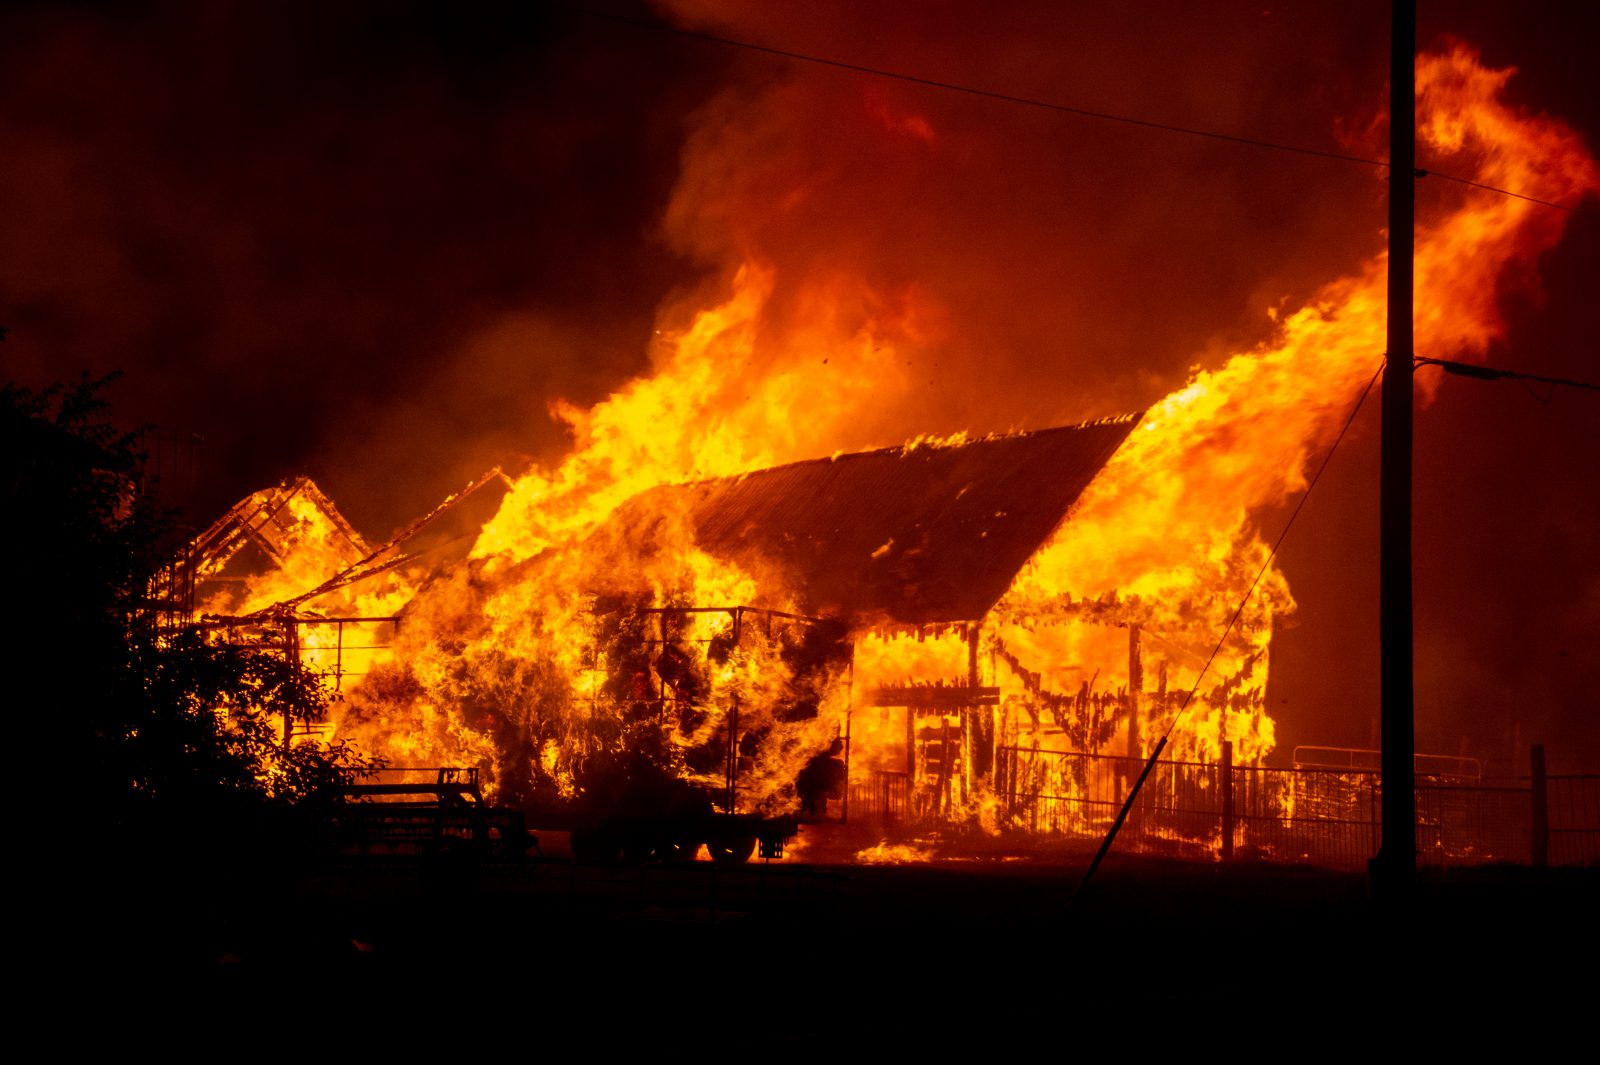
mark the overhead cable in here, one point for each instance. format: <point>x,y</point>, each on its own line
<point>1150,763</point>
<point>1489,373</point>
<point>1029,101</point>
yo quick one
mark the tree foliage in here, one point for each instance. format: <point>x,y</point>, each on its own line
<point>143,729</point>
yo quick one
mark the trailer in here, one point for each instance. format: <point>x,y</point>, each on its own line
<point>421,813</point>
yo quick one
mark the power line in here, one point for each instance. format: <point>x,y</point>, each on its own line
<point>1133,793</point>
<point>1489,373</point>
<point>990,94</point>
<point>1029,101</point>
<point>1508,192</point>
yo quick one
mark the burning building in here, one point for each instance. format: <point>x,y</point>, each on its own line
<point>877,599</point>
<point>914,554</point>
<point>693,592</point>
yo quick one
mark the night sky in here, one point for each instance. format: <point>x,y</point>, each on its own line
<point>372,243</point>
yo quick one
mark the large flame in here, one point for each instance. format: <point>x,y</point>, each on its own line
<point>538,660</point>
<point>726,397</point>
<point>1168,526</point>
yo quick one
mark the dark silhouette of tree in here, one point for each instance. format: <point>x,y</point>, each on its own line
<point>147,741</point>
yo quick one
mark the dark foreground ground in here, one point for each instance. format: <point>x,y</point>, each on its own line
<point>923,955</point>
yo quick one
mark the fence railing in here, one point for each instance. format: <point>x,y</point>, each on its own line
<point>882,796</point>
<point>1573,810</point>
<point>1321,815</point>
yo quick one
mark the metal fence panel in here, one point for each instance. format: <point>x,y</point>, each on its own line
<point>1574,807</point>
<point>1323,816</point>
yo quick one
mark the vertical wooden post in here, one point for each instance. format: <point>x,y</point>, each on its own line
<point>849,718</point>
<point>944,766</point>
<point>733,757</point>
<point>911,745</point>
<point>972,655</point>
<point>1227,800</point>
<point>1135,684</point>
<point>1539,797</point>
<point>983,739</point>
<point>291,653</point>
<point>964,734</point>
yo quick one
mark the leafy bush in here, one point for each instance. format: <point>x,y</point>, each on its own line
<point>145,734</point>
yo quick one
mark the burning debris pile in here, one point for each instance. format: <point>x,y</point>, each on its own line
<point>693,595</point>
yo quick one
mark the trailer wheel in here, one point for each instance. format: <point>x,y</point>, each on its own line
<point>677,851</point>
<point>731,850</point>
<point>658,850</point>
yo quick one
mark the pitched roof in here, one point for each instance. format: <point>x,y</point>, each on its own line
<point>914,535</point>
<point>265,521</point>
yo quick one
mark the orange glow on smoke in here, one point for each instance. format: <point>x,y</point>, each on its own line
<point>1167,528</point>
<point>504,663</point>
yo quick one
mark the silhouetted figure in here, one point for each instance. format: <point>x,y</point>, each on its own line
<point>822,779</point>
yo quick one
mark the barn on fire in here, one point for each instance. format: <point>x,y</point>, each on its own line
<point>886,599</point>
<point>959,693</point>
<point>910,536</point>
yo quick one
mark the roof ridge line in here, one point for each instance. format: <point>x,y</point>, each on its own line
<point>912,445</point>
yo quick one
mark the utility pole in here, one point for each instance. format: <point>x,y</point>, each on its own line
<point>1394,870</point>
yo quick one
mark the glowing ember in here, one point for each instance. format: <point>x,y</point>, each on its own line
<point>893,854</point>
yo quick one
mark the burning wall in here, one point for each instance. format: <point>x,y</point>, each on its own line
<point>507,661</point>
<point>910,549</point>
<point>905,552</point>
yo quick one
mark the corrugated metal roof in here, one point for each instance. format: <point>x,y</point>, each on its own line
<point>917,536</point>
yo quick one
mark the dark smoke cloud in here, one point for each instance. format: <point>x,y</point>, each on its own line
<point>372,242</point>
<point>366,242</point>
<point>1082,266</point>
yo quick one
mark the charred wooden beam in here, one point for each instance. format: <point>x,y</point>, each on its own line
<point>933,696</point>
<point>1227,800</point>
<point>1135,684</point>
<point>982,723</point>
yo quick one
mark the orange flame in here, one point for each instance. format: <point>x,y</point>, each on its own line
<point>514,661</point>
<point>1168,524</point>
